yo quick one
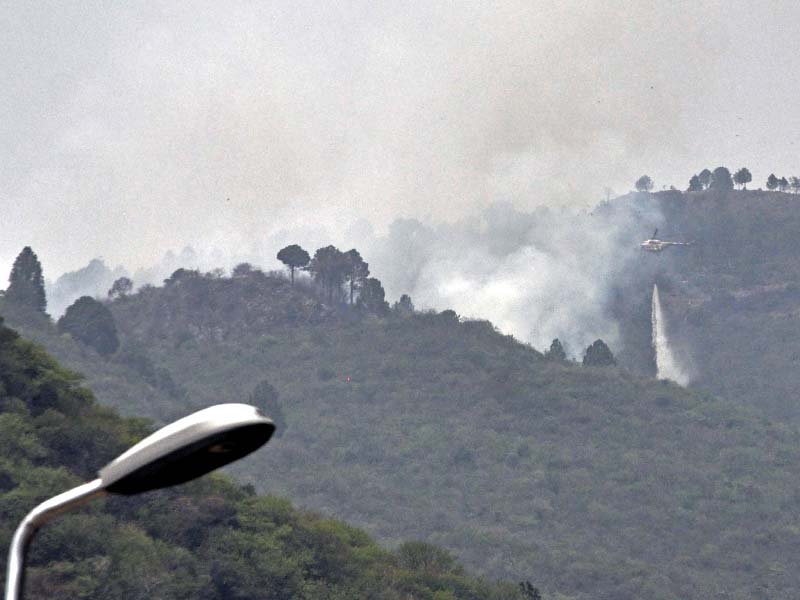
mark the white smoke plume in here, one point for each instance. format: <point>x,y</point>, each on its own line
<point>135,128</point>
<point>536,275</point>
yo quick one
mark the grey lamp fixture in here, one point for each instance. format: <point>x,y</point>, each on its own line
<point>176,453</point>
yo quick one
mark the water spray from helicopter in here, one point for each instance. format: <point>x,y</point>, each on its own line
<point>667,364</point>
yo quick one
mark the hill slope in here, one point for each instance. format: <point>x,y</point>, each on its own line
<point>209,539</point>
<point>732,297</point>
<point>594,482</point>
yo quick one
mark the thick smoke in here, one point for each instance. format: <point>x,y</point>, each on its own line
<point>537,275</point>
<point>237,127</point>
<point>95,279</point>
<point>155,126</point>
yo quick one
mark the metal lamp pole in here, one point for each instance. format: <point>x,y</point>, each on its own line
<point>177,453</point>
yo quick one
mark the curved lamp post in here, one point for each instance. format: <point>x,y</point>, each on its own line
<point>179,452</point>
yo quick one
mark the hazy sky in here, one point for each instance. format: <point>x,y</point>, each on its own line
<point>129,129</point>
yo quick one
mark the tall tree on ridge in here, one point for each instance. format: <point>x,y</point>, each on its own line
<point>705,178</point>
<point>721,179</point>
<point>373,297</point>
<point>644,183</point>
<point>293,257</point>
<point>772,182</point>
<point>358,271</point>
<point>598,355</point>
<point>556,351</point>
<point>25,283</point>
<point>329,267</point>
<point>743,177</point>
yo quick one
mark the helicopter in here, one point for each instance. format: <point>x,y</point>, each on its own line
<point>656,245</point>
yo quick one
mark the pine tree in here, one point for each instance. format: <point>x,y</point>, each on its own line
<point>772,182</point>
<point>26,284</point>
<point>705,178</point>
<point>293,257</point>
<point>695,185</point>
<point>372,297</point>
<point>404,306</point>
<point>743,177</point>
<point>598,355</point>
<point>556,351</point>
<point>329,268</point>
<point>357,271</point>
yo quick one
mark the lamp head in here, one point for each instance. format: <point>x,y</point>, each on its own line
<point>188,448</point>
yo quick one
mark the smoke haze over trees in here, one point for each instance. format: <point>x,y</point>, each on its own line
<point>160,126</point>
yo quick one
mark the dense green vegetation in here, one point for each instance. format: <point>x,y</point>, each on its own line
<point>589,481</point>
<point>90,322</point>
<point>584,480</point>
<point>210,539</point>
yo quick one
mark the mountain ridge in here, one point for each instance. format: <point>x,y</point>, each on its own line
<point>595,481</point>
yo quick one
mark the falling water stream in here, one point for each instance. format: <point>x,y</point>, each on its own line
<point>667,366</point>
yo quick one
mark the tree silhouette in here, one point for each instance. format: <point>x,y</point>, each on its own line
<point>556,351</point>
<point>695,185</point>
<point>598,355</point>
<point>293,257</point>
<point>404,306</point>
<point>743,177</point>
<point>120,288</point>
<point>329,268</point>
<point>373,297</point>
<point>644,183</point>
<point>783,184</point>
<point>25,283</point>
<point>705,178</point>
<point>90,322</point>
<point>772,182</point>
<point>244,269</point>
<point>721,179</point>
<point>357,271</point>
<point>794,183</point>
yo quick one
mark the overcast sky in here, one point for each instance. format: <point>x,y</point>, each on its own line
<point>130,129</point>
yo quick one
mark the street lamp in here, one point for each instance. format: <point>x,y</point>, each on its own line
<point>179,452</point>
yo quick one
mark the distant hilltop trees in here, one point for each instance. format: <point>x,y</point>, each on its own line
<point>644,184</point>
<point>598,354</point>
<point>721,179</point>
<point>718,179</point>
<point>343,276</point>
<point>782,184</point>
<point>341,279</point>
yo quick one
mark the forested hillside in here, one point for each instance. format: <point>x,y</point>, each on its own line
<point>591,482</point>
<point>733,296</point>
<point>211,539</point>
